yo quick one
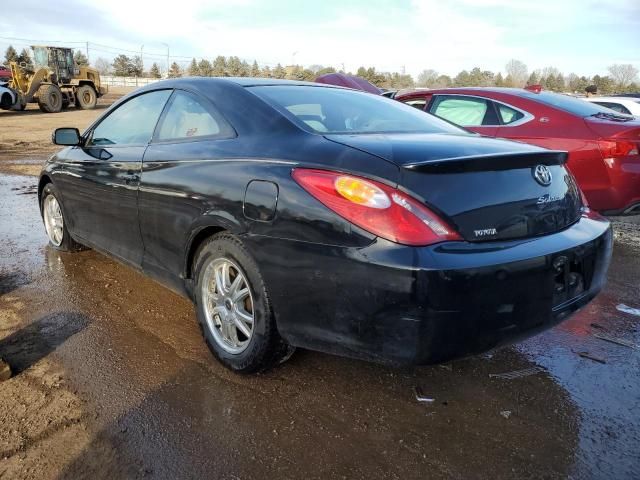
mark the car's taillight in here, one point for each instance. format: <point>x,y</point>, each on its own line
<point>617,148</point>
<point>375,207</point>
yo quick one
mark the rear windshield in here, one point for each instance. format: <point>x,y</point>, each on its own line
<point>335,110</point>
<point>573,105</point>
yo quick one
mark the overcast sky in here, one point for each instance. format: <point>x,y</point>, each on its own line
<point>445,35</point>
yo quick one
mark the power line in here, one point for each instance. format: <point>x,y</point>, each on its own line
<point>36,41</point>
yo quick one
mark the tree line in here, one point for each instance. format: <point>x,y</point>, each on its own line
<point>621,77</point>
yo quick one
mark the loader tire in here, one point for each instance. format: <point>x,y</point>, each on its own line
<point>86,97</point>
<point>50,98</point>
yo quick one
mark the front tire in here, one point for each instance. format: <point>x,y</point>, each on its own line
<point>86,97</point>
<point>54,224</point>
<point>50,98</point>
<point>233,307</point>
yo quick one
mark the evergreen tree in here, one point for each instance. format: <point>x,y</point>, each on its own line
<point>193,70</point>
<point>175,71</point>
<point>325,70</point>
<point>606,84</point>
<point>279,72</point>
<point>508,81</point>
<point>534,79</point>
<point>443,81</point>
<point>205,67</point>
<point>155,71</point>
<point>462,79</point>
<point>266,72</point>
<point>80,59</point>
<point>255,69</point>
<point>122,66</point>
<point>234,67</point>
<point>10,55</point>
<point>220,66</point>
<point>25,59</point>
<point>499,81</point>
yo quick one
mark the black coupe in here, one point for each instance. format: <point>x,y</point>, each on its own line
<point>298,214</point>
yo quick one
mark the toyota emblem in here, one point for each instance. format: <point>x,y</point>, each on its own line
<point>542,174</point>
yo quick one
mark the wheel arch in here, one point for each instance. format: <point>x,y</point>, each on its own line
<point>4,102</point>
<point>197,238</point>
<point>44,180</point>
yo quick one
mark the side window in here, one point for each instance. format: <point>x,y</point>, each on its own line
<point>187,118</point>
<point>464,111</point>
<point>508,115</point>
<point>132,122</point>
<point>418,103</point>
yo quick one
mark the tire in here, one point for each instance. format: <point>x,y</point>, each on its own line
<point>50,207</point>
<point>86,97</point>
<point>264,347</point>
<point>50,98</point>
<point>6,102</point>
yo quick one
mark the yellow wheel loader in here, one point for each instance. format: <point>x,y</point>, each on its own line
<point>55,82</point>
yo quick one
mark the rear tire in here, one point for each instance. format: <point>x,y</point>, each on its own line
<point>216,305</point>
<point>54,224</point>
<point>86,97</point>
<point>50,98</point>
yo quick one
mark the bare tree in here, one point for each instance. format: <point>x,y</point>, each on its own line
<point>428,78</point>
<point>517,72</point>
<point>103,66</point>
<point>623,74</point>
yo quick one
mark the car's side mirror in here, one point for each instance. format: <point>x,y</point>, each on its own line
<point>66,136</point>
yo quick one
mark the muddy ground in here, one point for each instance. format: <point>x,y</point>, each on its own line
<point>112,380</point>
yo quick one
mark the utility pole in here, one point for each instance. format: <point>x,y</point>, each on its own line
<point>87,51</point>
<point>141,57</point>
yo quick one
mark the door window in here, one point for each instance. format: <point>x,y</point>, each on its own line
<point>188,118</point>
<point>133,122</point>
<point>464,111</point>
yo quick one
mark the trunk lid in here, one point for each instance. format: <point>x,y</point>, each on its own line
<point>487,188</point>
<point>624,128</point>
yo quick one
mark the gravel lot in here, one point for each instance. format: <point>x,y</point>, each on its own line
<point>112,380</point>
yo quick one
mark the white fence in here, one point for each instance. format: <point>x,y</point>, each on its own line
<point>126,81</point>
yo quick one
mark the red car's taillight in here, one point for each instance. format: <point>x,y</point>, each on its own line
<point>375,207</point>
<point>617,148</point>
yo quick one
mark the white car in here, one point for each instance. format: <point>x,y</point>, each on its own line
<point>628,105</point>
<point>7,97</point>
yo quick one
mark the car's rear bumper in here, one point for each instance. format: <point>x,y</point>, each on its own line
<point>389,302</point>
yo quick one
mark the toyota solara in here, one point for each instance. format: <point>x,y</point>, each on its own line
<point>304,215</point>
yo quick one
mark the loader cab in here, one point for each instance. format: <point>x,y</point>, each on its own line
<point>58,60</point>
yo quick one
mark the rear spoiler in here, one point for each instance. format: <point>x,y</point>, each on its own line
<point>488,162</point>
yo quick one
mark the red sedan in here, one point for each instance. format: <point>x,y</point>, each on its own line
<point>603,145</point>
<point>5,74</point>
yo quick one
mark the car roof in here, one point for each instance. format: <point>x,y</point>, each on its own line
<point>243,81</point>
<point>479,90</point>
<point>630,100</point>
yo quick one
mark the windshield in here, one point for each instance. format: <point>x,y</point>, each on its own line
<point>573,105</point>
<point>335,110</point>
